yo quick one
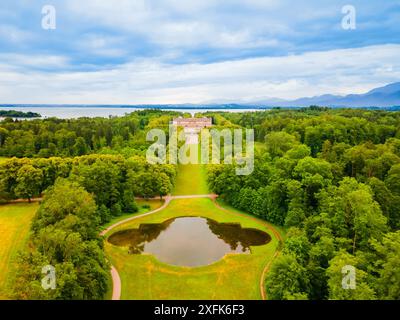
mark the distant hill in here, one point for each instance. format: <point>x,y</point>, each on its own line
<point>387,96</point>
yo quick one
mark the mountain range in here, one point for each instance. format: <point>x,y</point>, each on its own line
<point>387,96</point>
<point>383,97</point>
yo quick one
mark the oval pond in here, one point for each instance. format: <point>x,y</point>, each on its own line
<point>189,241</point>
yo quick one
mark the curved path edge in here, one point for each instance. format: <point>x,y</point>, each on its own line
<point>116,279</point>
<point>113,226</point>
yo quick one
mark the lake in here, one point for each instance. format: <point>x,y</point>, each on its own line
<point>189,241</point>
<point>69,112</point>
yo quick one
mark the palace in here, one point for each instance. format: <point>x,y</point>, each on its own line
<point>195,123</point>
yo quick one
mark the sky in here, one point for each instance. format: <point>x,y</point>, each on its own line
<point>194,51</point>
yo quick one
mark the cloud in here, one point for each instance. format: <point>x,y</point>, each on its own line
<point>173,51</point>
<point>101,45</point>
<point>13,34</point>
<point>201,31</point>
<point>340,71</point>
<point>22,62</point>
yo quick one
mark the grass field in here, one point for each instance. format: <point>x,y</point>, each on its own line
<point>14,231</point>
<point>151,203</point>
<point>3,159</point>
<point>191,180</point>
<point>236,276</point>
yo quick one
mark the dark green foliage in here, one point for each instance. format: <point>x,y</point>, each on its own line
<point>287,279</point>
<point>19,114</point>
<point>64,236</point>
<point>75,137</point>
<point>333,178</point>
<point>113,180</point>
<point>80,193</point>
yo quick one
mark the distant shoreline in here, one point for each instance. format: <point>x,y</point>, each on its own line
<point>199,107</point>
<point>158,106</point>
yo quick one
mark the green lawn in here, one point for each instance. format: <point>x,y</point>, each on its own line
<point>191,180</point>
<point>222,203</point>
<point>151,203</point>
<point>236,276</point>
<point>3,159</point>
<point>14,231</point>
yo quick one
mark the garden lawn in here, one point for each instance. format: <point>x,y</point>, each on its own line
<point>144,205</point>
<point>236,276</point>
<point>15,221</point>
<point>191,179</point>
<point>3,159</point>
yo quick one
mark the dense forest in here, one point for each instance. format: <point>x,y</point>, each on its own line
<point>75,137</point>
<point>332,178</point>
<point>81,193</point>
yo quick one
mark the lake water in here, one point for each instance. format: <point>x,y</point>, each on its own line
<point>105,112</point>
<point>189,241</point>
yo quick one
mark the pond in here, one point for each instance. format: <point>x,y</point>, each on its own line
<point>189,241</point>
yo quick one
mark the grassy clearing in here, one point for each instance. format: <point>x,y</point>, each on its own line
<point>191,180</point>
<point>236,276</point>
<point>227,206</point>
<point>151,203</point>
<point>3,159</point>
<point>14,231</point>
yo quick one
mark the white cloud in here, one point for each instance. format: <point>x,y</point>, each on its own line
<point>101,45</point>
<point>148,81</point>
<point>15,35</point>
<point>186,24</point>
<point>22,61</point>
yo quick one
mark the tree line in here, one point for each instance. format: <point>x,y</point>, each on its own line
<point>88,171</point>
<point>314,125</point>
<point>80,194</point>
<point>113,180</point>
<point>331,178</point>
<point>18,114</point>
<point>44,138</point>
<point>64,236</point>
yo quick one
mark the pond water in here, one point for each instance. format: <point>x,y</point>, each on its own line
<point>189,241</point>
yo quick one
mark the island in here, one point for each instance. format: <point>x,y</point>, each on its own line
<point>19,114</point>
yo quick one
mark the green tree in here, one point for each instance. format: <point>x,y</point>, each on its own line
<point>29,181</point>
<point>70,207</point>
<point>102,178</point>
<point>362,290</point>
<point>3,136</point>
<point>393,179</point>
<point>278,143</point>
<point>80,148</point>
<point>387,265</point>
<point>354,212</point>
<point>65,236</point>
<point>287,279</point>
